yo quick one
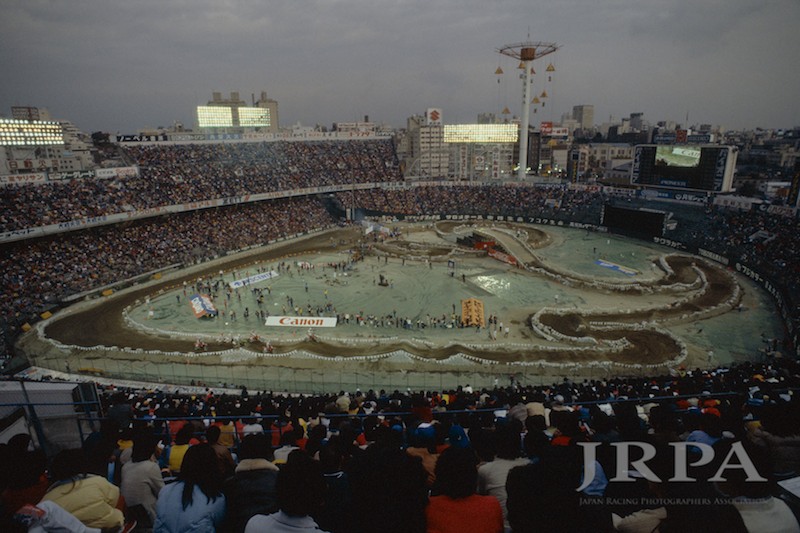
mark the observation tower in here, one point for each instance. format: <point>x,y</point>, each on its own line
<point>526,52</point>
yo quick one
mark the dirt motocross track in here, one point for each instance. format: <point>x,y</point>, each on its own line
<point>102,324</point>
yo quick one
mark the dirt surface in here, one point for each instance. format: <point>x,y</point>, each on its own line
<point>102,324</point>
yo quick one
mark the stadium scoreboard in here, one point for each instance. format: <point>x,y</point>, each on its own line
<point>684,167</point>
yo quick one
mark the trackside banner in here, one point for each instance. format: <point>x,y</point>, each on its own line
<point>500,256</point>
<point>253,279</point>
<point>302,321</point>
<point>202,305</point>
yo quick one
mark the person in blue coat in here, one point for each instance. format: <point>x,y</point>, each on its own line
<point>195,503</point>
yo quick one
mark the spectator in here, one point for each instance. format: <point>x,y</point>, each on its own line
<point>492,475</point>
<point>91,499</point>
<point>252,427</point>
<point>176,452</point>
<point>288,445</point>
<point>25,478</point>
<point>251,490</point>
<point>423,445</point>
<point>389,488</point>
<point>227,432</point>
<point>758,508</point>
<point>224,456</point>
<point>195,502</point>
<point>300,492</point>
<point>542,497</point>
<point>141,477</point>
<point>49,517</point>
<point>336,515</point>
<point>456,508</point>
<point>778,435</point>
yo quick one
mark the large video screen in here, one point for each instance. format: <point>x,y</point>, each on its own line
<point>678,156</point>
<point>703,168</point>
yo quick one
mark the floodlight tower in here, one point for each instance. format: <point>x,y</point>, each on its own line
<point>526,52</point>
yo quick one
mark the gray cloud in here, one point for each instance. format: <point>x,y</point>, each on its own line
<point>121,66</point>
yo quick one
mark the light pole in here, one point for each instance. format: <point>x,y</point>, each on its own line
<point>526,53</point>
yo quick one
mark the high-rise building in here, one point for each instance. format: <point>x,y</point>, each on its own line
<point>431,149</point>
<point>426,154</point>
<point>584,114</point>
<point>637,121</point>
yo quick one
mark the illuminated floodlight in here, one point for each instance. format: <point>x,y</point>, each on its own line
<point>481,133</point>
<point>15,132</point>
<point>254,117</point>
<point>214,117</point>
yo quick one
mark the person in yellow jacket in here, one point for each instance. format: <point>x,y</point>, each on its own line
<point>91,499</point>
<point>175,453</point>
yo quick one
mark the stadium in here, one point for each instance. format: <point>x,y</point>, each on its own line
<point>414,349</point>
<point>624,336</point>
<point>490,307</point>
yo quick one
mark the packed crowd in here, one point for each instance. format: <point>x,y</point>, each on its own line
<point>38,274</point>
<point>557,203</point>
<point>171,175</point>
<point>734,234</point>
<point>486,461</point>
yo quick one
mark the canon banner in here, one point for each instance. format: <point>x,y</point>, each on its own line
<point>202,305</point>
<point>302,321</point>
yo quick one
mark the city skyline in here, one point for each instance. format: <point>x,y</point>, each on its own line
<point>122,66</point>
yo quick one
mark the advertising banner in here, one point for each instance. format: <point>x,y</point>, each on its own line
<point>719,170</point>
<point>236,284</point>
<point>615,267</point>
<point>433,116</point>
<point>73,175</point>
<point>637,164</point>
<point>500,256</point>
<point>140,138</point>
<point>23,179</point>
<point>664,138</point>
<point>301,321</point>
<point>119,172</point>
<point>202,306</point>
<point>698,138</point>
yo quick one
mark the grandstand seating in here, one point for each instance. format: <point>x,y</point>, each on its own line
<point>750,408</point>
<point>753,403</point>
<point>38,273</point>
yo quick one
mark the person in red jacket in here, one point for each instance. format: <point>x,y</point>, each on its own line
<point>456,508</point>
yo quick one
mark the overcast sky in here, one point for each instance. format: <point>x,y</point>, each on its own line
<point>115,65</point>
